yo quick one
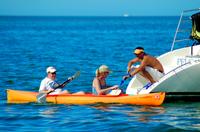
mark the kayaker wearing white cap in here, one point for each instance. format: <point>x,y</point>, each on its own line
<point>99,86</point>
<point>49,84</point>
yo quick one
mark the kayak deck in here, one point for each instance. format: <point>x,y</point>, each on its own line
<point>154,99</point>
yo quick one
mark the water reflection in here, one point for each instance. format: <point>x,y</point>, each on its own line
<point>140,113</point>
<point>48,112</point>
<point>146,113</point>
<point>173,116</point>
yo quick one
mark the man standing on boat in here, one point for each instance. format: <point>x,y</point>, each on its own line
<point>150,67</point>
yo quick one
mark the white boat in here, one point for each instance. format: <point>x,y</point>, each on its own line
<point>181,66</point>
<point>126,15</point>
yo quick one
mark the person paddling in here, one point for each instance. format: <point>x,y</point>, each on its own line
<point>49,85</point>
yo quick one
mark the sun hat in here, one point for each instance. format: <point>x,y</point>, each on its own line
<point>102,69</point>
<point>51,69</point>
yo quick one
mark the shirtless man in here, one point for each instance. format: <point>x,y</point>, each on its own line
<point>150,67</point>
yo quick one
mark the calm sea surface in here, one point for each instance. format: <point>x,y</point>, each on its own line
<point>29,44</point>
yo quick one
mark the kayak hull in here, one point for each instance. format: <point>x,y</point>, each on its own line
<point>154,99</point>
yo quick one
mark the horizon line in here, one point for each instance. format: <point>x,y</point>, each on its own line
<point>88,16</point>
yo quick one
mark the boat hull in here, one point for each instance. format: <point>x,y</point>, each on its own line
<point>154,99</point>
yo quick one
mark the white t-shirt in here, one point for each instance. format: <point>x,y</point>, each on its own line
<point>47,84</point>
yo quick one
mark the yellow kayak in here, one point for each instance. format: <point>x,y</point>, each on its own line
<point>154,99</point>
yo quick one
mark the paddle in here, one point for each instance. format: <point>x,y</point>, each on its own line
<point>144,87</point>
<point>41,97</point>
<point>123,80</point>
<point>118,91</point>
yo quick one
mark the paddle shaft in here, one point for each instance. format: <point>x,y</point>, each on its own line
<point>64,83</point>
<point>123,80</point>
<point>121,83</point>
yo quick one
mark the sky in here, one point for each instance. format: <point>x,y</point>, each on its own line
<point>96,7</point>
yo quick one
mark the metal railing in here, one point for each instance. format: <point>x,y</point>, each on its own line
<point>178,26</point>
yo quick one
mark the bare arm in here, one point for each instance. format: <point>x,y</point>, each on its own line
<point>136,70</point>
<point>131,62</point>
<point>140,68</point>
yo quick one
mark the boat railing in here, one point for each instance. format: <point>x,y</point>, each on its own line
<point>178,30</point>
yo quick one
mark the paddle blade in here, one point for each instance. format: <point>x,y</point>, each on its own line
<point>41,98</point>
<point>115,92</point>
<point>121,83</point>
<point>76,75</point>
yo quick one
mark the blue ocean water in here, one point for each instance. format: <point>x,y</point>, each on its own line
<point>30,44</point>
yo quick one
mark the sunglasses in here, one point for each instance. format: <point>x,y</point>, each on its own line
<point>53,73</point>
<point>136,54</point>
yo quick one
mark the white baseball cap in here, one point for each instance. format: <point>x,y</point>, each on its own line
<point>51,69</point>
